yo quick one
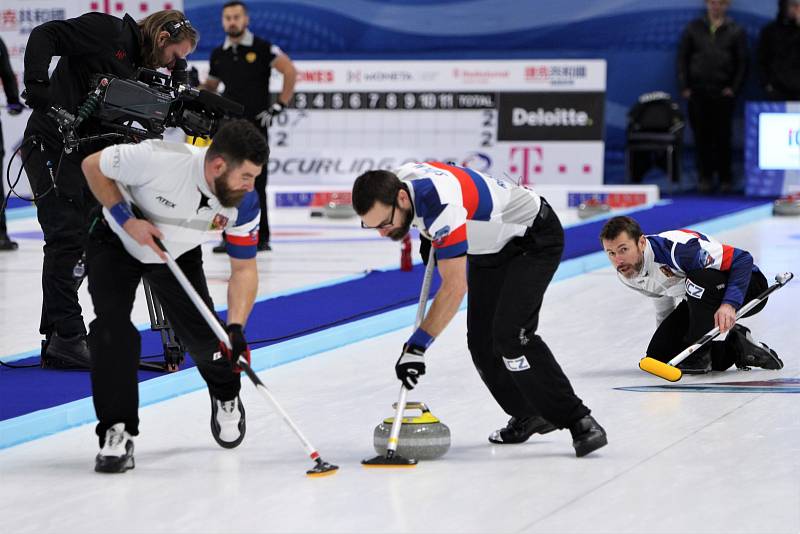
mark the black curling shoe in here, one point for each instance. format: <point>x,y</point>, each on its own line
<point>519,429</point>
<point>587,436</point>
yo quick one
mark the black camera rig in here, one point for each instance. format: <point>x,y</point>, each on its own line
<point>143,108</point>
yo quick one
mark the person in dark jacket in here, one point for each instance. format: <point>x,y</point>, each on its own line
<point>14,108</point>
<point>779,53</point>
<point>91,44</point>
<point>712,61</point>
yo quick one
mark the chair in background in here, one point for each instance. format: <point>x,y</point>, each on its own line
<point>654,137</point>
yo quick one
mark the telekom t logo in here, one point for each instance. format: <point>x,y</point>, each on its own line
<point>523,161</point>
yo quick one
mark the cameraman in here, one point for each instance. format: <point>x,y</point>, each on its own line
<point>94,43</point>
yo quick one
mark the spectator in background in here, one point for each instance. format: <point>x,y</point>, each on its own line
<point>712,60</point>
<point>244,63</point>
<point>14,108</point>
<point>779,53</point>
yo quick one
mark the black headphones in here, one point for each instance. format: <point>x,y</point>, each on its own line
<point>174,27</point>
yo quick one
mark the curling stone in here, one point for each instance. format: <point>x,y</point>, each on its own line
<point>789,205</point>
<point>423,437</point>
<point>591,208</point>
<point>337,210</point>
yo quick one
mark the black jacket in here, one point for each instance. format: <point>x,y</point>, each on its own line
<point>779,59</point>
<point>94,43</point>
<point>7,75</point>
<point>709,62</point>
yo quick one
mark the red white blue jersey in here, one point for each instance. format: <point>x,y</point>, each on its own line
<point>463,211</point>
<point>166,181</point>
<point>669,256</point>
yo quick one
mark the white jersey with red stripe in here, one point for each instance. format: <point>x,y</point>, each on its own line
<point>166,181</point>
<point>670,256</point>
<point>464,211</point>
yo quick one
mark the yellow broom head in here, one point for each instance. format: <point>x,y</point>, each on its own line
<point>660,369</point>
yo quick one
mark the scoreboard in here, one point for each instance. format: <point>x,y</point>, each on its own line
<point>534,121</point>
<point>772,148</point>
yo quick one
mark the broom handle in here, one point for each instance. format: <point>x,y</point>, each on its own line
<point>780,281</point>
<point>391,446</point>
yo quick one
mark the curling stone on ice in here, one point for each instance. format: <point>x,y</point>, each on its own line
<point>788,205</point>
<point>339,206</point>
<point>423,437</point>
<point>592,207</point>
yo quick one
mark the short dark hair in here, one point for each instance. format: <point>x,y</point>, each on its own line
<point>234,4</point>
<point>375,186</point>
<point>238,141</point>
<point>616,225</point>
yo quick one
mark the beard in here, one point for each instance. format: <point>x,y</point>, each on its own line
<point>634,270</point>
<point>234,32</point>
<point>227,196</point>
<point>399,233</point>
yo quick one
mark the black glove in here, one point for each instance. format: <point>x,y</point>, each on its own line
<point>15,109</point>
<point>411,365</point>
<point>37,95</point>
<point>238,344</point>
<point>265,117</point>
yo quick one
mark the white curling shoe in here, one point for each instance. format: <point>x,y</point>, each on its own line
<point>116,456</point>
<point>227,422</point>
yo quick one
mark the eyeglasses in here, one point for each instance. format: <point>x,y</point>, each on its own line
<point>385,224</point>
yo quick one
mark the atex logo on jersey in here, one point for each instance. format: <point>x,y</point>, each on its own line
<point>516,364</point>
<point>550,116</point>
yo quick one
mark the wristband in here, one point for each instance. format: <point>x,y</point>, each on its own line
<point>121,212</point>
<point>420,338</point>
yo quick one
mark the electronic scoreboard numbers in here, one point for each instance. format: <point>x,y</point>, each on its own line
<point>534,121</point>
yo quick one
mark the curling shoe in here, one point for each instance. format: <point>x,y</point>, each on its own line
<point>227,422</point>
<point>116,456</point>
<point>66,352</point>
<point>698,363</point>
<point>587,436</point>
<point>749,352</point>
<point>7,244</point>
<point>519,429</point>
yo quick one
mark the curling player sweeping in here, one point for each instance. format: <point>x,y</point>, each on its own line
<point>512,240</point>
<point>697,284</point>
<point>183,192</point>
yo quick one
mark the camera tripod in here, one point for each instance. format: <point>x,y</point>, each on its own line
<point>174,351</point>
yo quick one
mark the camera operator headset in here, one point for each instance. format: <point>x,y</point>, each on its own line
<point>92,44</point>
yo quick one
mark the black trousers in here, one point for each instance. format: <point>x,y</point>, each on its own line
<point>261,189</point>
<point>63,214</point>
<point>3,228</point>
<point>694,317</point>
<point>711,118</point>
<point>115,344</point>
<point>504,300</point>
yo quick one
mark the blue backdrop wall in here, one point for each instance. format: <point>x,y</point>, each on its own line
<point>637,38</point>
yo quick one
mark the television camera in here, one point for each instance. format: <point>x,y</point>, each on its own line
<point>144,107</point>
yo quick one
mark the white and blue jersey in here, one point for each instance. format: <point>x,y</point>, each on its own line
<point>463,211</point>
<point>166,181</point>
<point>669,256</point>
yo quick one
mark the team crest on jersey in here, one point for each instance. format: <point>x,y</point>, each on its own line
<point>219,222</point>
<point>666,271</point>
<point>705,258</point>
<point>438,237</point>
<point>250,57</point>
